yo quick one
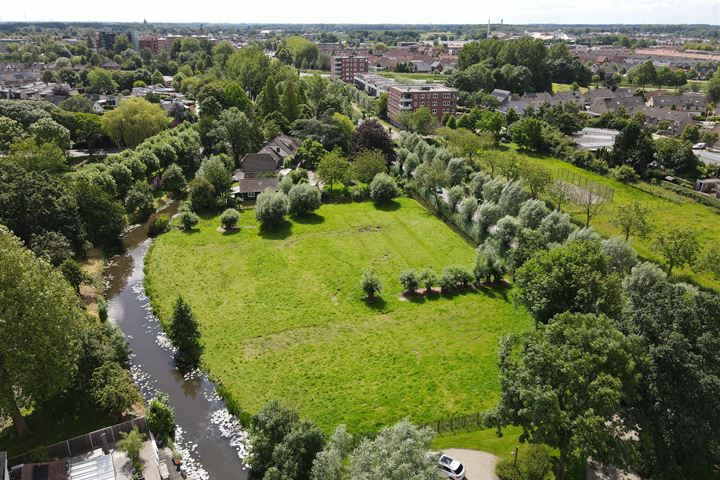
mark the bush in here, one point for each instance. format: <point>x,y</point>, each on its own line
<point>303,198</point>
<point>37,454</point>
<point>625,174</point>
<point>506,470</point>
<point>102,309</point>
<point>383,188</point>
<point>455,195</point>
<point>271,207</point>
<point>533,463</point>
<point>409,280</point>
<point>427,279</point>
<point>229,218</point>
<point>359,193</point>
<point>370,284</point>
<point>161,417</point>
<point>158,225</point>
<point>454,277</point>
<point>187,219</point>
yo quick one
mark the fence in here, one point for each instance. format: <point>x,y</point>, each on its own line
<point>581,181</point>
<point>86,443</point>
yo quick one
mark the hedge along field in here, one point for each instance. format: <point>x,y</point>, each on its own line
<point>281,315</point>
<point>669,210</point>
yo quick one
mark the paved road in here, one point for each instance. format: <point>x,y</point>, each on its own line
<point>478,465</point>
<point>708,157</point>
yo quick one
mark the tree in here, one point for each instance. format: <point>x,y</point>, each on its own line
<point>47,130</point>
<point>591,204</point>
<point>368,163</point>
<point>432,176</point>
<point>309,154</point>
<point>634,146</point>
<point>491,121</point>
<point>271,208</point>
<point>679,247</point>
<point>101,81</point>
<point>187,219</point>
<point>73,273</point>
<point>293,457</point>
<point>422,121</point>
<point>184,333</point>
<point>676,155</point>
<point>465,143</point>
<point>234,128</point>
<point>173,180</point>
<point>229,219</point>
<point>565,384</point>
<point>38,340</point>
<point>268,428</point>
<point>88,130</point>
<point>102,218</point>
<point>77,103</point>
<point>679,329</point>
<point>383,188</point>
<point>51,246</point>
<point>371,135</point>
<point>289,103</point>
<point>329,463</point>
<point>370,284</point>
<point>409,280</point>
<point>575,277</point>
<point>113,389</point>
<point>644,74</point>
<point>45,157</point>
<point>161,417</point>
<point>334,168</point>
<point>202,195</point>
<point>139,201</point>
<point>528,133</point>
<point>134,120</point>
<point>304,198</point>
<point>132,443</point>
<point>216,171</point>
<point>633,218</point>
<point>532,212</point>
<point>268,101</point>
<point>536,177</point>
<point>399,452</point>
<point>10,132</point>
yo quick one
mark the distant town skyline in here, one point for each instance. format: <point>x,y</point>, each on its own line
<point>374,11</point>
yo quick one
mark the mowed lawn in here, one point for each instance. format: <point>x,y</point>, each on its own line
<point>282,315</point>
<point>669,210</point>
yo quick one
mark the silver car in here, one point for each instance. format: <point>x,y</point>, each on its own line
<point>451,467</point>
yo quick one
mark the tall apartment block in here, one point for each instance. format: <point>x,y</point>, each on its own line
<point>346,67</point>
<point>439,99</point>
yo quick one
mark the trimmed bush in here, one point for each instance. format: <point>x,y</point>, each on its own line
<point>409,280</point>
<point>271,207</point>
<point>383,188</point>
<point>625,174</point>
<point>187,219</point>
<point>359,193</point>
<point>370,284</point>
<point>454,277</point>
<point>303,198</point>
<point>427,279</point>
<point>229,218</point>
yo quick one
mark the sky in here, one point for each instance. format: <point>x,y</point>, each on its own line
<point>367,11</point>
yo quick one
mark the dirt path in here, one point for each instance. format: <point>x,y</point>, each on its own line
<point>92,265</point>
<point>478,465</point>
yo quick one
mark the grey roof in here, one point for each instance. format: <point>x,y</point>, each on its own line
<point>259,162</point>
<point>257,184</point>
<point>501,95</point>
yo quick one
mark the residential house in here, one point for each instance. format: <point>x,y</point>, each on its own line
<point>605,105</point>
<point>420,66</point>
<point>711,186</point>
<point>595,138</point>
<point>502,96</point>
<point>436,66</point>
<point>259,171</point>
<point>677,121</point>
<point>694,103</point>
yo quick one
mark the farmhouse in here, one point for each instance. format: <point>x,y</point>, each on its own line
<point>259,171</point>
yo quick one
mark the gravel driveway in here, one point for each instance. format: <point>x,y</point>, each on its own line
<point>478,465</point>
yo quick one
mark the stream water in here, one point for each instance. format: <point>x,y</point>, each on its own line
<point>210,440</point>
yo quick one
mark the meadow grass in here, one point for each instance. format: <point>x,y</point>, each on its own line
<point>282,315</point>
<point>669,211</point>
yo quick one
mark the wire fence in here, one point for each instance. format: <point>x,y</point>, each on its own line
<point>596,189</point>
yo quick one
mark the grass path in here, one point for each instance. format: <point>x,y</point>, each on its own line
<point>282,316</point>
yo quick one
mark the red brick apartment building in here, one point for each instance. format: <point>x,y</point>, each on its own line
<point>439,99</point>
<point>346,67</point>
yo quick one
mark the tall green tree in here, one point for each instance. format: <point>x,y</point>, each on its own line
<point>289,103</point>
<point>566,383</point>
<point>40,317</point>
<point>269,101</point>
<point>679,247</point>
<point>633,219</point>
<point>184,333</point>
<point>134,120</point>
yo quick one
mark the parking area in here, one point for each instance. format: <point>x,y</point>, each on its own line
<point>478,465</point>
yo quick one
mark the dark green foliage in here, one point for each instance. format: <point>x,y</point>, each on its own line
<point>409,280</point>
<point>173,179</point>
<point>229,218</point>
<point>575,277</point>
<point>304,198</point>
<point>184,333</point>
<point>161,417</point>
<point>268,429</point>
<point>73,273</point>
<point>113,388</point>
<point>454,277</point>
<point>102,217</point>
<point>52,246</point>
<point>139,201</point>
<point>370,284</point>
<point>383,188</point>
<point>159,225</point>
<point>371,135</point>
<point>202,195</point>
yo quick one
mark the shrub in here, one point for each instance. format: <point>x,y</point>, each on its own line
<point>409,280</point>
<point>187,219</point>
<point>370,284</point>
<point>158,225</point>
<point>303,198</point>
<point>455,195</point>
<point>625,174</point>
<point>359,193</point>
<point>37,454</point>
<point>271,207</point>
<point>383,188</point>
<point>102,309</point>
<point>161,417</point>
<point>505,469</point>
<point>454,277</point>
<point>229,218</point>
<point>286,184</point>
<point>427,279</point>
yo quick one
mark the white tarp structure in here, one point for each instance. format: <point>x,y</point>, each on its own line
<point>96,468</point>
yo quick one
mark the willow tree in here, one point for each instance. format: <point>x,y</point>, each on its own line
<point>40,317</point>
<point>134,120</point>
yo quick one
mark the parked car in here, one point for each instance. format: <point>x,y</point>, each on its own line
<point>451,467</point>
<point>699,146</point>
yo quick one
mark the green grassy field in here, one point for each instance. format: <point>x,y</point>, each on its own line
<point>415,77</point>
<point>282,315</point>
<point>565,87</point>
<point>669,210</point>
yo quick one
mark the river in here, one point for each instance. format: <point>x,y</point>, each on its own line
<point>210,440</point>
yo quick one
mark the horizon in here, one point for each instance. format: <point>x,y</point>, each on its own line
<point>324,12</point>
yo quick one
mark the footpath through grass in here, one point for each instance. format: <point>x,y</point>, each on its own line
<point>669,211</point>
<point>282,316</point>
